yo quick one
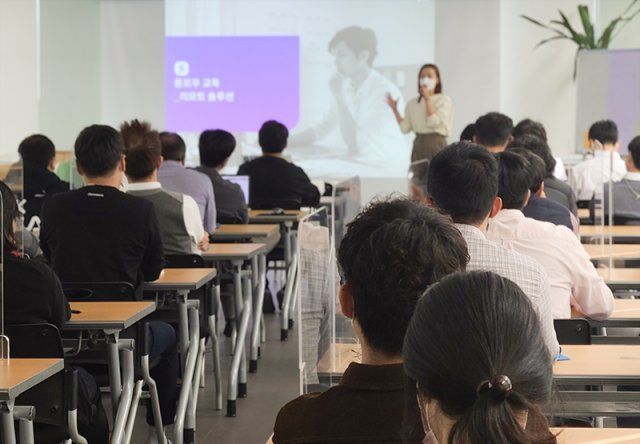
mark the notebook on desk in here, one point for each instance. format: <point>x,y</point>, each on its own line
<point>242,181</point>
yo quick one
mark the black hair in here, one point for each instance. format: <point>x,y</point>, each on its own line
<point>539,147</point>
<point>273,136</point>
<point>634,151</point>
<point>98,150</point>
<point>10,214</point>
<point>468,132</point>
<point>357,39</point>
<point>438,89</point>
<point>463,182</point>
<point>514,180</point>
<point>173,146</point>
<point>604,131</point>
<point>528,127</point>
<point>142,148</point>
<point>392,251</point>
<point>36,151</point>
<point>493,129</point>
<point>215,147</point>
<point>419,175</point>
<point>535,167</point>
<point>472,329</point>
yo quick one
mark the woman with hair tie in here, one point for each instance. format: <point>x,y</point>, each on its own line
<point>479,368</point>
<point>429,115</point>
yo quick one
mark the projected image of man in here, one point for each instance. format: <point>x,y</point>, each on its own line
<point>366,124</point>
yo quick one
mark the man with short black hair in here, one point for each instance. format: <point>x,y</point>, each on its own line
<point>626,193</point>
<point>97,233</point>
<point>470,203</point>
<point>179,219</point>
<point>392,251</point>
<point>38,159</point>
<point>493,131</point>
<point>273,180</point>
<point>216,147</point>
<point>588,177</point>
<point>175,177</point>
<point>574,280</point>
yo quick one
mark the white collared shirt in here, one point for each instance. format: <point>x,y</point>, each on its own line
<point>190,213</point>
<point>573,278</point>
<point>588,176</point>
<point>523,270</point>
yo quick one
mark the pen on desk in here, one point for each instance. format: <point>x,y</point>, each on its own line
<point>75,312</point>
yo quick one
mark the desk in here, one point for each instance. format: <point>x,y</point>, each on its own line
<point>626,313</point>
<point>16,377</point>
<point>616,251</point>
<point>596,436</point>
<point>267,216</point>
<point>234,232</point>
<point>619,233</point>
<point>180,281</point>
<point>111,318</point>
<point>620,278</point>
<point>237,254</point>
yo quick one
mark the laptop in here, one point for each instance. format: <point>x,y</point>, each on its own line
<point>243,181</point>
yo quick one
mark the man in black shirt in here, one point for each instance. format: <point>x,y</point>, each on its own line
<point>98,233</point>
<point>274,181</point>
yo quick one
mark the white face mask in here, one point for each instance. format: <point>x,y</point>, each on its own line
<point>429,437</point>
<point>428,82</point>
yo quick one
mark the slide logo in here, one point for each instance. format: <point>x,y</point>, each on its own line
<point>211,82</point>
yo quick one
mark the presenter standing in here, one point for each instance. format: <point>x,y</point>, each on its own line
<point>429,115</point>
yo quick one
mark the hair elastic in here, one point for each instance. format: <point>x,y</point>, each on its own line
<point>498,385</point>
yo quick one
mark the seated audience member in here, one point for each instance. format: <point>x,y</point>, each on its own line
<point>626,193</point>
<point>554,189</point>
<point>539,207</point>
<point>99,234</point>
<point>588,176</point>
<point>493,131</point>
<point>38,159</point>
<point>274,181</point>
<point>392,252</point>
<point>418,174</point>
<point>574,280</point>
<point>33,295</point>
<point>470,203</point>
<point>468,133</point>
<point>478,379</point>
<point>179,218</point>
<point>216,147</point>
<point>175,177</point>
<point>528,127</point>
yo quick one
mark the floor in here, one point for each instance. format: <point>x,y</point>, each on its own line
<point>275,383</point>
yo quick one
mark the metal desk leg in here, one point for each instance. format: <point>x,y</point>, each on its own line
<point>247,307</point>
<point>243,311</point>
<point>25,416</point>
<point>115,381</point>
<point>184,424</point>
<point>183,328</point>
<point>120,422</point>
<point>8,428</point>
<point>215,351</point>
<point>259,267</point>
<point>291,275</point>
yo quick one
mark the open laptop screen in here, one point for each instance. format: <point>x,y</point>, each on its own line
<point>243,181</point>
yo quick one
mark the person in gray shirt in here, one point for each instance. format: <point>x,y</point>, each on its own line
<point>216,146</point>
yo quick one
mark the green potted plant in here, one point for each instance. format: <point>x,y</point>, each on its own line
<point>563,30</point>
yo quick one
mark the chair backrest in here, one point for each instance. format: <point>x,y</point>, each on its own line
<point>48,397</point>
<point>99,291</point>
<point>572,331</point>
<point>184,261</point>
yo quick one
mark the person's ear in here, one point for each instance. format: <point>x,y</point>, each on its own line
<point>616,147</point>
<point>474,139</point>
<point>78,168</point>
<point>496,207</point>
<point>526,201</point>
<point>540,192</point>
<point>52,164</point>
<point>160,162</point>
<point>346,300</point>
<point>123,163</point>
<point>428,201</point>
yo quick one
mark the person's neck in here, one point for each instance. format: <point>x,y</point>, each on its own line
<point>371,356</point>
<point>153,177</point>
<point>278,155</point>
<point>496,149</point>
<point>179,162</point>
<point>219,168</point>
<point>608,147</point>
<point>110,181</point>
<point>359,77</point>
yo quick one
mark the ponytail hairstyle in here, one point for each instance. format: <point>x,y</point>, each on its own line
<point>10,214</point>
<point>474,345</point>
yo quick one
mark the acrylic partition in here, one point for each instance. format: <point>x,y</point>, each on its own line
<point>67,170</point>
<point>418,174</point>
<point>343,205</point>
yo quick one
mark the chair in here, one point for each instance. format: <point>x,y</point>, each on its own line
<point>99,291</point>
<point>55,399</point>
<point>572,331</point>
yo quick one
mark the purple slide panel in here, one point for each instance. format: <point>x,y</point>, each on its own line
<point>232,83</point>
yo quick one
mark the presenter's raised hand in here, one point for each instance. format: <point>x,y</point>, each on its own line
<point>393,104</point>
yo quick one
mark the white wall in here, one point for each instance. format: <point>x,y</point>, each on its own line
<point>18,74</point>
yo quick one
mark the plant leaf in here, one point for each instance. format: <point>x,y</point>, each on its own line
<point>605,38</point>
<point>589,34</point>
<point>555,37</point>
<point>542,25</point>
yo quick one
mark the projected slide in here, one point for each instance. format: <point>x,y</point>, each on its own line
<point>206,85</point>
<point>321,67</point>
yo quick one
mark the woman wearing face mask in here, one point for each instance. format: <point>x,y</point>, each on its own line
<point>429,115</point>
<point>480,371</point>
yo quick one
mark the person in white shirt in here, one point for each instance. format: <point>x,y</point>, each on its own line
<point>494,132</point>
<point>574,280</point>
<point>588,176</point>
<point>626,193</point>
<point>429,116</point>
<point>179,219</point>
<point>470,202</point>
<point>366,123</point>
